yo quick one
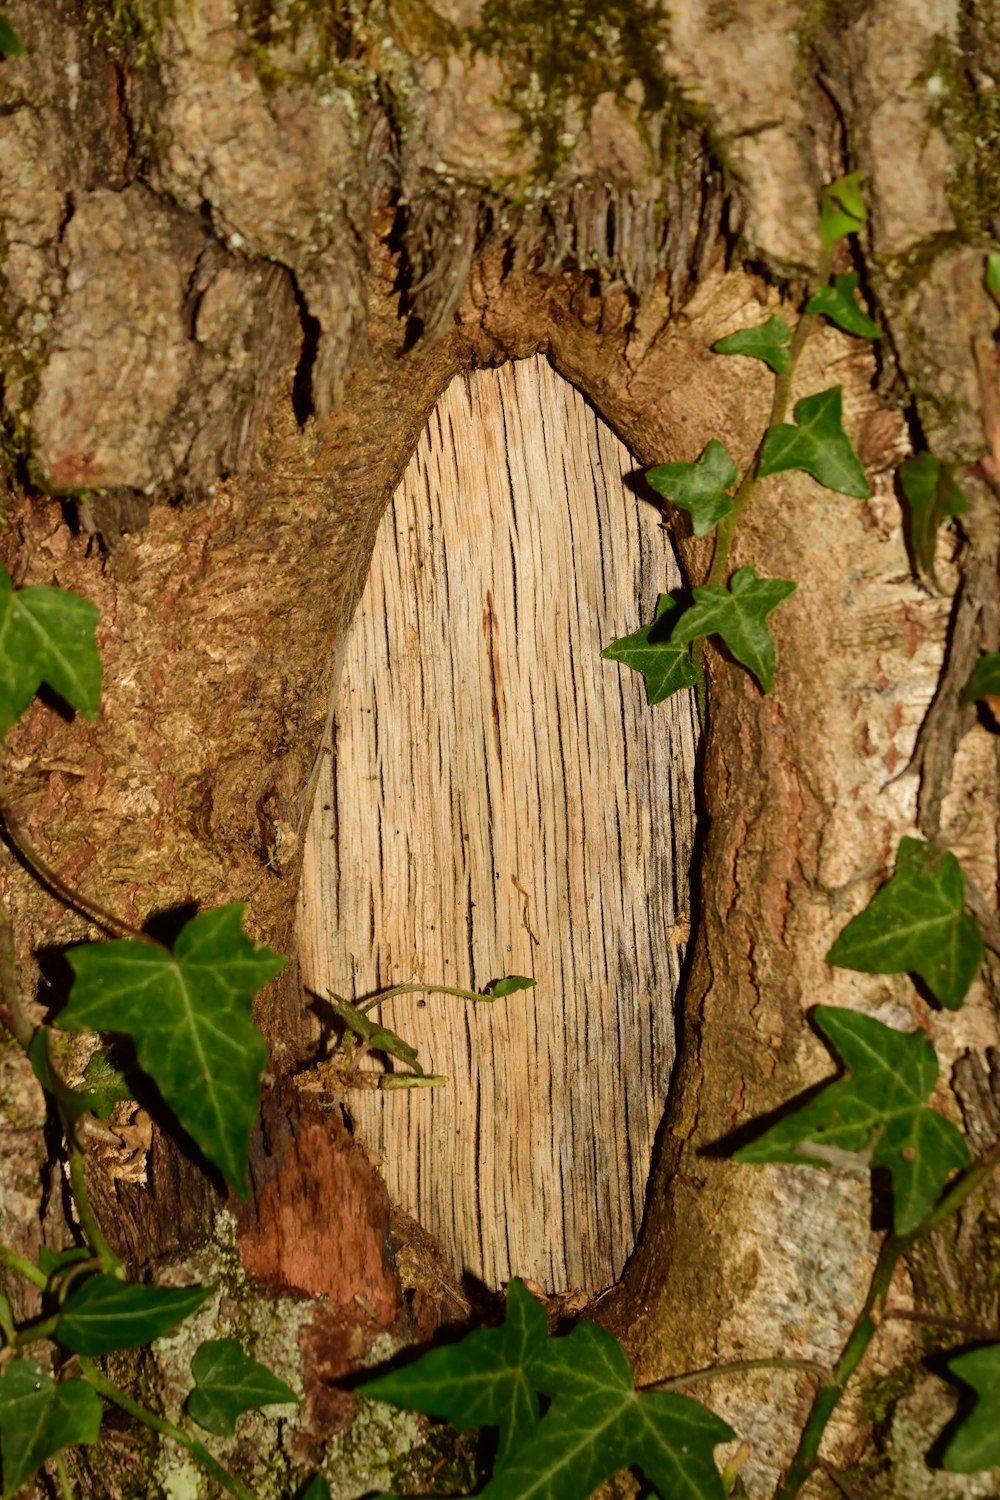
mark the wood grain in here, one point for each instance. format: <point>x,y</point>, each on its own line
<point>500,800</point>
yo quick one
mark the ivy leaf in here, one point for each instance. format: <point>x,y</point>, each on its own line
<point>818,444</point>
<point>666,666</point>
<point>985,679</point>
<point>316,1489</point>
<point>840,305</point>
<point>739,614</point>
<point>841,209</point>
<point>879,1110</point>
<point>482,1381</point>
<point>993,275</point>
<point>10,43</point>
<point>189,1014</point>
<point>917,924</point>
<point>378,1037</point>
<point>769,342</point>
<point>228,1383</point>
<point>509,986</point>
<point>71,1102</point>
<point>599,1423</point>
<point>932,495</point>
<point>976,1443</point>
<point>105,1314</point>
<point>46,635</point>
<point>699,487</point>
<point>109,1084</point>
<point>39,1418</point>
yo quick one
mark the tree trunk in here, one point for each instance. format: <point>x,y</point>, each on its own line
<point>250,252</point>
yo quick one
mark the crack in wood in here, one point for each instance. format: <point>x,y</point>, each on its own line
<point>506,802</point>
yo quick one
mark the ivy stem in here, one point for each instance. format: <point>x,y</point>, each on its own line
<point>894,1247</point>
<point>13,1016</point>
<point>65,1486</point>
<point>7,1329</point>
<point>77,902</point>
<point>15,1262</point>
<point>737,1367</point>
<point>37,1333</point>
<point>211,1465</point>
<point>417,989</point>
<point>930,1320</point>
<point>779,409</point>
<point>698,662</point>
<point>81,1198</point>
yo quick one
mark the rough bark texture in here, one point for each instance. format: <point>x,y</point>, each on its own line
<point>244,251</point>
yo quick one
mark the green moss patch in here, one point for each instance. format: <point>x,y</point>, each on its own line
<point>557,54</point>
<point>960,78</point>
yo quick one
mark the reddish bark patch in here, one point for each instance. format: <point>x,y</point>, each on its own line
<point>72,469</point>
<point>319,1218</point>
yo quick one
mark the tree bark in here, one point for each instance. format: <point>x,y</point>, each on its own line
<point>245,251</point>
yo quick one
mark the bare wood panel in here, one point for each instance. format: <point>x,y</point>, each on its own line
<point>500,800</point>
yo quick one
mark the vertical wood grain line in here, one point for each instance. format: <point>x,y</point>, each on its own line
<point>500,800</point>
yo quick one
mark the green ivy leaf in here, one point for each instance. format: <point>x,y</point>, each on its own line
<point>108,1083</point>
<point>818,444</point>
<point>599,1423</point>
<point>228,1383</point>
<point>189,1014</point>
<point>316,1489</point>
<point>378,1037</point>
<point>71,1102</point>
<point>699,487</point>
<point>509,986</point>
<point>666,666</point>
<point>976,1443</point>
<point>739,614</point>
<point>769,342</point>
<point>104,1314</point>
<point>839,303</point>
<point>841,209</point>
<point>932,495</point>
<point>46,635</point>
<point>10,43</point>
<point>917,924</point>
<point>39,1418</point>
<point>993,275</point>
<point>879,1109</point>
<point>482,1381</point>
<point>985,679</point>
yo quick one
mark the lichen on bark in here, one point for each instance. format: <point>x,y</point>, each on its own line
<point>249,255</point>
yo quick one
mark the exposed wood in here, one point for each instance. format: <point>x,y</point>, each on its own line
<point>500,800</point>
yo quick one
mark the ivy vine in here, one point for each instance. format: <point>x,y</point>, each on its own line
<point>565,1409</point>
